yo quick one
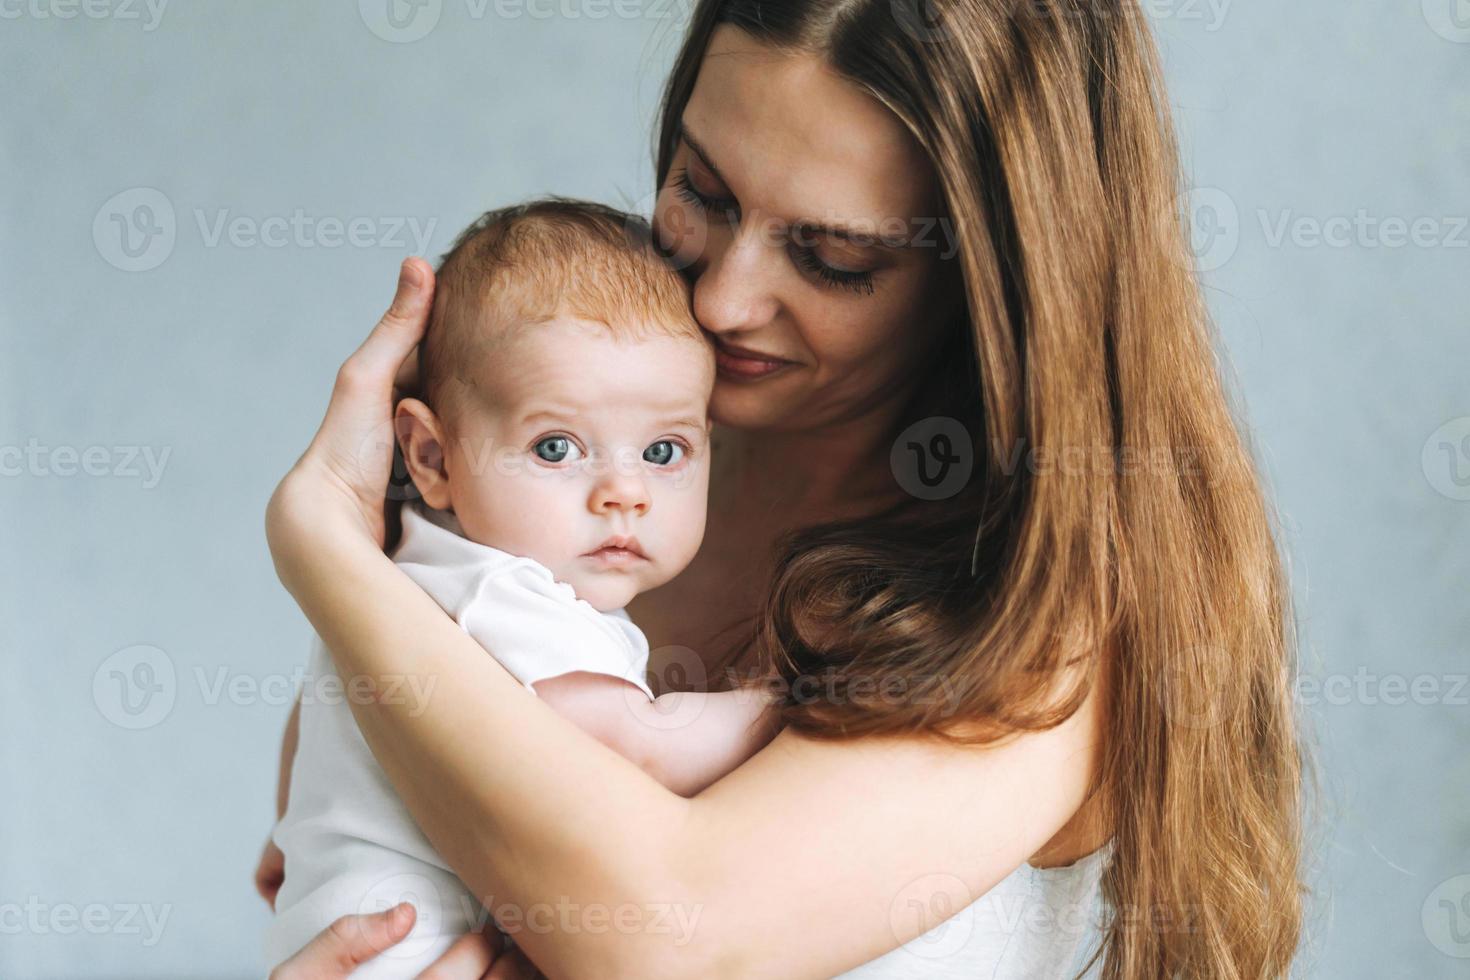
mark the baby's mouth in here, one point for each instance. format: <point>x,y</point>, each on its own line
<point>619,551</point>
<point>616,556</point>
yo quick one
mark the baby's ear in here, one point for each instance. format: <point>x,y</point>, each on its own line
<point>422,438</point>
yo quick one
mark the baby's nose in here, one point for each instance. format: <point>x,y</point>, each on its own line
<point>620,491</point>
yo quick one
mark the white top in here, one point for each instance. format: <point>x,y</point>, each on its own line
<point>350,843</point>
<point>1035,924</point>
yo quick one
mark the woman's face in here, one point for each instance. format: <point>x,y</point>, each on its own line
<point>805,215</point>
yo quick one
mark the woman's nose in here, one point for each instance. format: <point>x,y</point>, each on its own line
<point>733,289</point>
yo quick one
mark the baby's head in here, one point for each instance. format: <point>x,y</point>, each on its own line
<point>566,389</point>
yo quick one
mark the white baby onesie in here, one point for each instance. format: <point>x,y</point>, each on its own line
<point>350,844</point>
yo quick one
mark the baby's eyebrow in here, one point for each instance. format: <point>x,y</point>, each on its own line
<point>551,414</point>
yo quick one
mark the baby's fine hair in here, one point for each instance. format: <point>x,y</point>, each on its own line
<point>525,264</point>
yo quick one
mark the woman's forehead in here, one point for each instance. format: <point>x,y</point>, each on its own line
<point>795,139</point>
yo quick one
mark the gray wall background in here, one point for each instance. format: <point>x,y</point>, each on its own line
<point>152,398</point>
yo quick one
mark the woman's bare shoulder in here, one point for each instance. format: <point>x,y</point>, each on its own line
<point>1081,738</point>
<point>1092,825</point>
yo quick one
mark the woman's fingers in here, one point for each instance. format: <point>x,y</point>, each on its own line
<point>398,332</point>
<point>346,944</point>
<point>365,380</point>
<point>353,449</point>
<point>407,380</point>
<point>468,959</point>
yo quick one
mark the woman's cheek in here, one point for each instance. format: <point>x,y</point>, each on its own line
<point>682,232</point>
<point>889,327</point>
<point>839,341</point>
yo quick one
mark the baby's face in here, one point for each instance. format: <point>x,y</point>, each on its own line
<point>587,454</point>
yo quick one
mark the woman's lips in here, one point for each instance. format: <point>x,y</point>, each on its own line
<point>745,365</point>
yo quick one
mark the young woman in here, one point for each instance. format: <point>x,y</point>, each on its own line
<point>1067,678</point>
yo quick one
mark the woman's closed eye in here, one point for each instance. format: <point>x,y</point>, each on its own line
<point>853,279</point>
<point>805,256</point>
<point>723,205</point>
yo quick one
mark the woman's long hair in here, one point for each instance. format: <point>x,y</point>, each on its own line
<point>1114,520</point>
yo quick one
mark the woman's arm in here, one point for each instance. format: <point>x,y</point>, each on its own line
<point>810,858</point>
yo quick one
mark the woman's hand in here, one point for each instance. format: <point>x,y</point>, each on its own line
<point>354,939</point>
<point>345,470</point>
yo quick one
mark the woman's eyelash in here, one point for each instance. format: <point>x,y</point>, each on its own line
<point>686,190</point>
<point>861,282</point>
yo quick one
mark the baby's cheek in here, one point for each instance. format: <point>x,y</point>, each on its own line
<point>686,531</point>
<point>525,514</point>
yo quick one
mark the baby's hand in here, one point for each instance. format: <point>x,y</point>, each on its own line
<point>270,872</point>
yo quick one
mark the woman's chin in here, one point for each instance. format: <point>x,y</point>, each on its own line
<point>754,405</point>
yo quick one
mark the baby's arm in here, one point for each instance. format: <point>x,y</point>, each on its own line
<point>686,740</point>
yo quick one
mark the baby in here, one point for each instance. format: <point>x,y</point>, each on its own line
<point>562,455</point>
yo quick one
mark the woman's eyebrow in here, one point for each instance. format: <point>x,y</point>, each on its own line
<point>838,230</point>
<point>701,152</point>
<point>864,239</point>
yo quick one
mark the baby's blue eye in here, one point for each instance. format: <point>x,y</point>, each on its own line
<point>664,453</point>
<point>556,449</point>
